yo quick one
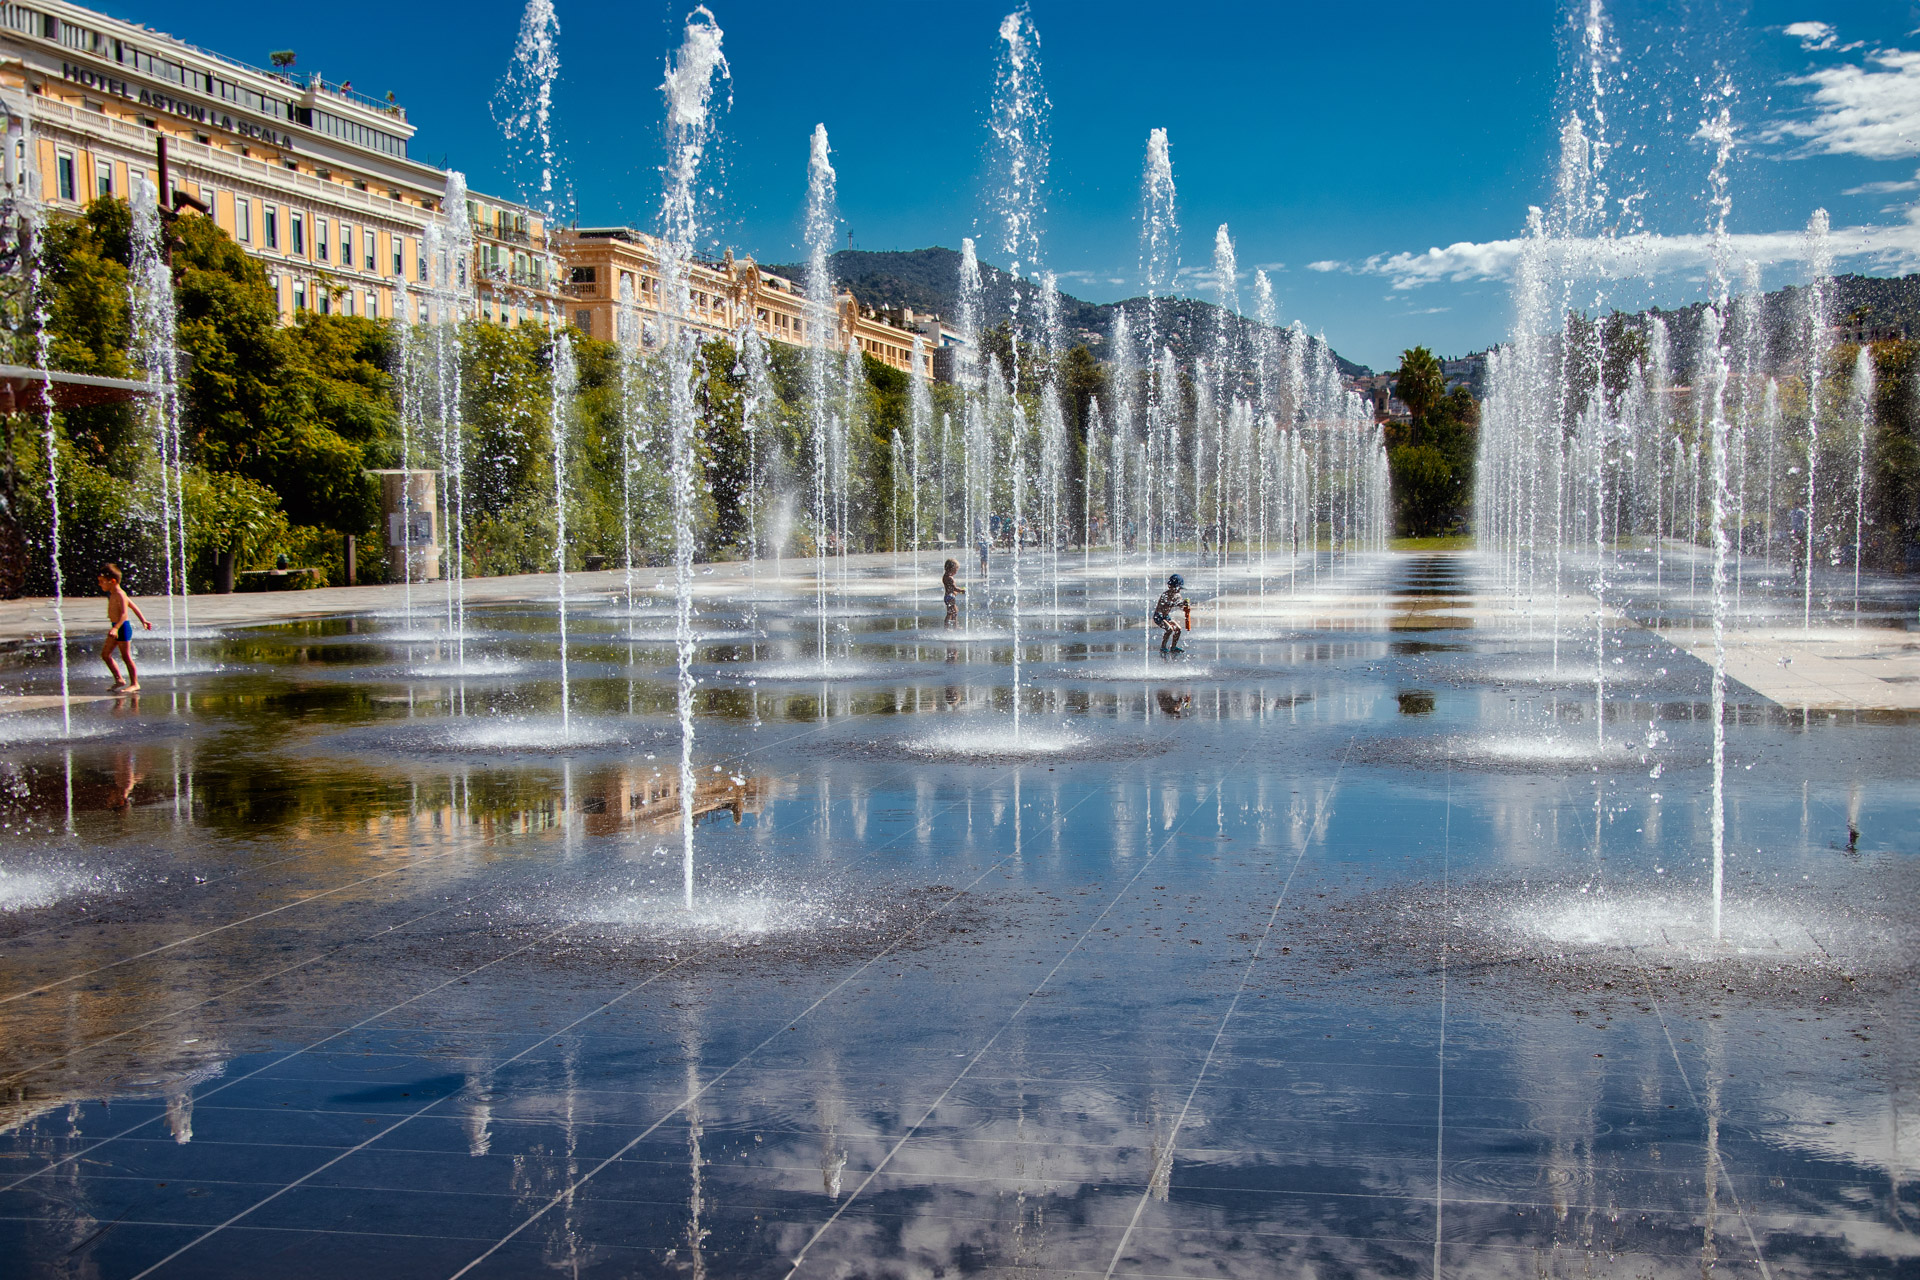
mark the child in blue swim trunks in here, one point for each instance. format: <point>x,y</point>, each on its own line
<point>120,629</point>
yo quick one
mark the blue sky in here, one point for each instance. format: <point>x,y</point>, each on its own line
<point>1338,143</point>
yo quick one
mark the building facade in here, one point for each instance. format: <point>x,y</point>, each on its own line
<point>311,178</point>
<point>611,268</point>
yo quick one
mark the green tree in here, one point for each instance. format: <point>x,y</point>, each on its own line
<point>86,261</point>
<point>1419,382</point>
<point>1431,456</point>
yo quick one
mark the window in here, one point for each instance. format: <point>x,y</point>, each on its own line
<point>420,260</point>
<point>297,234</point>
<point>65,176</point>
<point>243,219</point>
<point>368,233</point>
<point>346,245</point>
<point>270,226</point>
<point>585,275</point>
<point>348,131</point>
<point>324,301</point>
<point>103,179</point>
<point>320,244</point>
<point>399,268</point>
<point>299,295</point>
<point>583,320</point>
<point>346,303</point>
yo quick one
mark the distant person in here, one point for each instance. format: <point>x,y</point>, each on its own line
<point>120,629</point>
<point>983,555</point>
<point>1163,614</point>
<point>952,591</point>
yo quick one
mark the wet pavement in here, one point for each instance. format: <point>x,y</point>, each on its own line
<point>1361,940</point>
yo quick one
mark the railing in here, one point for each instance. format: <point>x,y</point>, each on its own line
<point>140,139</point>
<point>508,234</point>
<point>318,84</point>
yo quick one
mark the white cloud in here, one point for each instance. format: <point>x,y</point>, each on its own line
<point>1327,264</point>
<point>1894,246</point>
<point>1813,36</point>
<point>1861,112</point>
<point>1883,188</point>
<point>1465,260</point>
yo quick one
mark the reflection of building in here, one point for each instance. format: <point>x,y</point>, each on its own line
<point>622,798</point>
<point>310,177</point>
<point>609,265</point>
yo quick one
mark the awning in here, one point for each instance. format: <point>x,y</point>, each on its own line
<point>27,387</point>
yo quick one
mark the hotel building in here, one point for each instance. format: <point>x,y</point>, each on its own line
<point>311,178</point>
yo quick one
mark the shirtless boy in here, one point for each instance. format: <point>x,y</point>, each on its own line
<point>120,629</point>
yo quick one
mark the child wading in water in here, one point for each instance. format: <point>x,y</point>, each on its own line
<point>1171,599</point>
<point>120,629</point>
<point>953,591</point>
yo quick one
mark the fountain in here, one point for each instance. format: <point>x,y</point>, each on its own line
<point>689,90</point>
<point>901,884</point>
<point>155,350</point>
<point>449,248</point>
<point>1159,263</point>
<point>25,228</point>
<point>1593,464</point>
<point>524,108</point>
<point>822,328</point>
<point>756,410</point>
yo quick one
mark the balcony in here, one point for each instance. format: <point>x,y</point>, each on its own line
<point>506,234</point>
<point>317,86</point>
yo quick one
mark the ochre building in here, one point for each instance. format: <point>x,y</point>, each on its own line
<point>311,177</point>
<point>609,268</point>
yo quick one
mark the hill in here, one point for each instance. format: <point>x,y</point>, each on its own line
<point>1873,306</point>
<point>929,280</point>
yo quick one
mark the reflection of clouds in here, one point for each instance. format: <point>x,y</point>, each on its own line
<point>1049,1182</point>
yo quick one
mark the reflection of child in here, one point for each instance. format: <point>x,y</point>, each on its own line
<point>953,591</point>
<point>1163,614</point>
<point>120,629</point>
<point>126,776</point>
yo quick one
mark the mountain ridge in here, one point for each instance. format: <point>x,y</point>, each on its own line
<point>928,280</point>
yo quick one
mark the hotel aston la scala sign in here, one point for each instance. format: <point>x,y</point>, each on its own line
<point>182,107</point>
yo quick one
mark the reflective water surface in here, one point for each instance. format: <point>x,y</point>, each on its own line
<point>1362,940</point>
